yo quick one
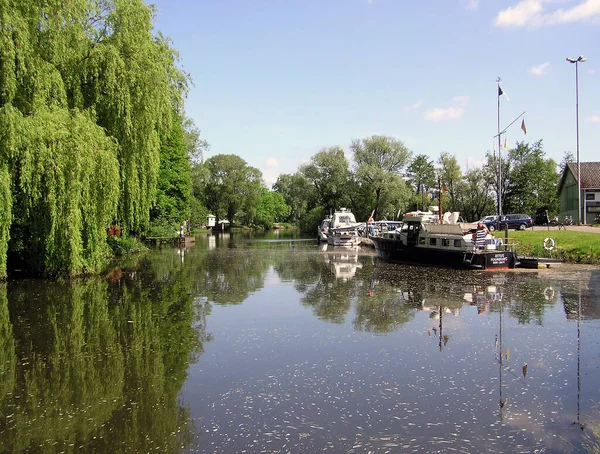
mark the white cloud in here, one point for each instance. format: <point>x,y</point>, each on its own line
<point>540,70</point>
<point>475,163</point>
<point>534,13</point>
<point>415,106</point>
<point>271,163</point>
<point>448,113</point>
<point>440,114</point>
<point>593,118</point>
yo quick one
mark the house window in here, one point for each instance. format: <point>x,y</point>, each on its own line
<point>590,196</point>
<point>445,242</point>
<point>456,243</point>
<point>432,241</point>
<point>421,240</point>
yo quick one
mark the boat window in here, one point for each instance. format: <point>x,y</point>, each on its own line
<point>445,242</point>
<point>421,240</point>
<point>432,241</point>
<point>456,243</point>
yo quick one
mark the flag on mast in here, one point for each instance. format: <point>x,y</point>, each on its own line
<point>505,143</point>
<point>502,92</point>
<point>523,127</point>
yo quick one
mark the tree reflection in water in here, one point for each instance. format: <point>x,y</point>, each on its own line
<point>97,366</point>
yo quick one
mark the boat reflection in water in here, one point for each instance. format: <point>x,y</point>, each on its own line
<point>343,261</point>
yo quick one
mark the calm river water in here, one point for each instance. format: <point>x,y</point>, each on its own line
<point>278,345</point>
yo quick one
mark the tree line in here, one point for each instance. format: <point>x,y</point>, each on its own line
<point>94,137</point>
<point>386,179</point>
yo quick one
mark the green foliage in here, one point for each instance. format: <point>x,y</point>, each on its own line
<point>422,177</point>
<point>174,188</point>
<point>270,209</point>
<point>100,63</point>
<point>65,189</point>
<point>195,145</point>
<point>231,186</point>
<point>199,214</point>
<point>328,172</point>
<point>121,245</point>
<point>379,162</point>
<point>312,219</point>
<point>298,192</point>
<point>472,198</point>
<point>450,176</point>
<point>533,180</point>
<point>5,214</point>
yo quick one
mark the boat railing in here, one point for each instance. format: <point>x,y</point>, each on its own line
<point>499,244</point>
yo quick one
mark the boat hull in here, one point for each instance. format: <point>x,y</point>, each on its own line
<point>392,250</point>
<point>343,240</point>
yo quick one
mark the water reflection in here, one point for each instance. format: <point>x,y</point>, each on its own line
<point>97,365</point>
<point>310,350</point>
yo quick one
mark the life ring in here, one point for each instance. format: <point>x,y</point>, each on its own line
<point>548,293</point>
<point>548,244</point>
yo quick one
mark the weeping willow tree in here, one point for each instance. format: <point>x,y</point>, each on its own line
<point>5,215</point>
<point>65,184</point>
<point>86,87</point>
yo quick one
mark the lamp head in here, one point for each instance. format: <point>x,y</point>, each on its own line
<point>579,59</point>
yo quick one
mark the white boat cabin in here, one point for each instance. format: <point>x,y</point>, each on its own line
<point>422,229</point>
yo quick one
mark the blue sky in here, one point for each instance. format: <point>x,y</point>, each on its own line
<point>275,81</point>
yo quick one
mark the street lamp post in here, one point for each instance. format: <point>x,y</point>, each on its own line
<point>577,60</point>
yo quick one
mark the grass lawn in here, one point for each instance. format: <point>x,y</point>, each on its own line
<point>571,246</point>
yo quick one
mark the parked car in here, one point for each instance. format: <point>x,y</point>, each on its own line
<point>486,219</point>
<point>511,221</point>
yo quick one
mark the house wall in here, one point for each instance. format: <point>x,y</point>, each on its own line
<point>568,198</point>
<point>591,202</point>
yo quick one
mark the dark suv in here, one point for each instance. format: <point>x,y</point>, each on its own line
<point>512,221</point>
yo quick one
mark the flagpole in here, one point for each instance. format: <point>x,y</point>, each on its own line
<point>499,159</point>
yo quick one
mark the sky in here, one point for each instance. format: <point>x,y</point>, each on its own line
<point>276,81</point>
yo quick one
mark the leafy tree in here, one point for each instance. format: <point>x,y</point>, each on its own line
<point>128,76</point>
<point>174,181</point>
<point>473,196</point>
<point>328,172</point>
<point>395,199</point>
<point>298,193</point>
<point>490,174</point>
<point>91,71</point>
<point>450,175</point>
<point>64,189</point>
<point>231,185</point>
<point>533,180</point>
<point>5,214</point>
<point>567,157</point>
<point>421,173</point>
<point>378,160</point>
<point>271,208</point>
<point>195,145</point>
<point>199,211</point>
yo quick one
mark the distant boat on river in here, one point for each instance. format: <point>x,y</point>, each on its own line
<point>344,230</point>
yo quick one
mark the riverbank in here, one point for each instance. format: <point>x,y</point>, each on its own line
<point>575,244</point>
